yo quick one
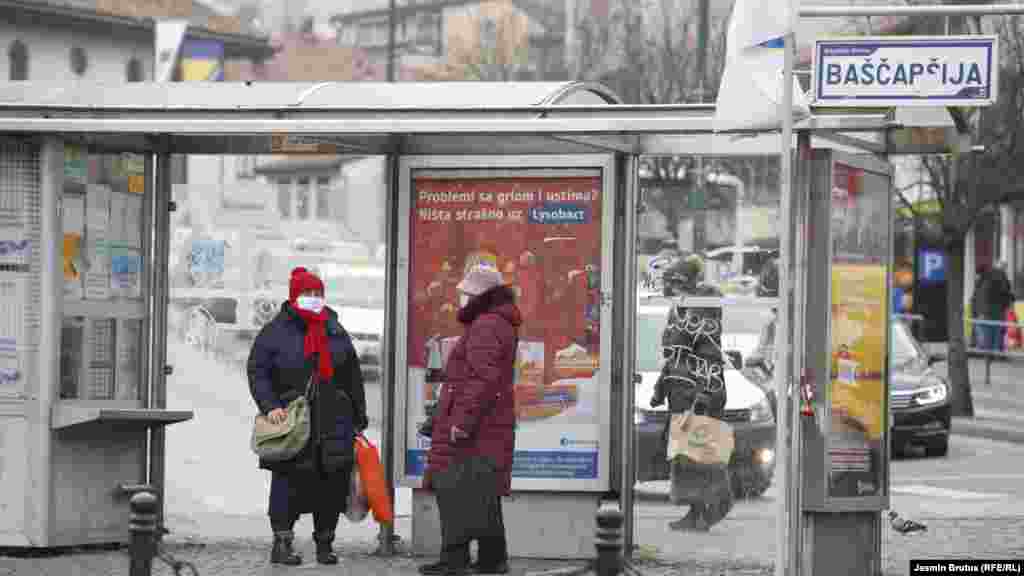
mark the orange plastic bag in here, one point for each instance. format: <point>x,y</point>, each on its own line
<point>371,474</point>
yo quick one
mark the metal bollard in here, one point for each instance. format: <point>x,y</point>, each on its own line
<point>143,528</point>
<point>608,540</point>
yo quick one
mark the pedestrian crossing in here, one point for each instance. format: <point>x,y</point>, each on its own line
<point>936,492</point>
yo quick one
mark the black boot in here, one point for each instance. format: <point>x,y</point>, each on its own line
<point>454,562</point>
<point>283,553</point>
<point>324,552</point>
<point>492,556</point>
<point>686,523</point>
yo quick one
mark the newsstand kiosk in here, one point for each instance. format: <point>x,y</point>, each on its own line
<point>844,412</point>
<point>81,368</point>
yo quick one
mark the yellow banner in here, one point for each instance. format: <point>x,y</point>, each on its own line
<point>859,337</point>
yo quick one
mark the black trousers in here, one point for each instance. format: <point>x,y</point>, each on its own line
<point>295,493</point>
<point>290,497</point>
<point>471,511</point>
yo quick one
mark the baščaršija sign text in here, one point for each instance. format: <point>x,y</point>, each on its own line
<point>906,71</point>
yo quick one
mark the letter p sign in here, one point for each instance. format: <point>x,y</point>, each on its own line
<point>932,266</point>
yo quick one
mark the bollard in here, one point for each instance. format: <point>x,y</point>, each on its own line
<point>609,539</point>
<point>143,532</point>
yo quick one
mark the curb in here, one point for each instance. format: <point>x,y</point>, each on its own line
<point>990,431</point>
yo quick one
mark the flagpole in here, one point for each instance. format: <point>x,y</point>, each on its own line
<point>786,453</point>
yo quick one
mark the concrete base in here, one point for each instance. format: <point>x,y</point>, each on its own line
<point>538,524</point>
<point>846,543</point>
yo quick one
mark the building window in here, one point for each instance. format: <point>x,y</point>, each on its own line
<point>428,32</point>
<point>79,61</point>
<point>302,199</point>
<point>133,71</point>
<point>284,199</point>
<point>17,56</point>
<point>323,191</point>
<point>372,33</point>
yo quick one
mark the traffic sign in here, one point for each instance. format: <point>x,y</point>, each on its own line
<point>906,71</point>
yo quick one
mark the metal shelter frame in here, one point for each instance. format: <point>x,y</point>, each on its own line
<point>412,119</point>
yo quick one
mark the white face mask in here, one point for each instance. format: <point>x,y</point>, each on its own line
<point>463,300</point>
<point>312,304</point>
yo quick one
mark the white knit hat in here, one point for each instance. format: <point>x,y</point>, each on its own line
<point>480,279</point>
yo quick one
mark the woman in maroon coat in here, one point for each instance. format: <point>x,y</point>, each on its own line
<point>469,466</point>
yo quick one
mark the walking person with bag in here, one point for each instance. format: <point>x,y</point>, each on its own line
<point>306,380</point>
<point>469,465</point>
<point>693,382</point>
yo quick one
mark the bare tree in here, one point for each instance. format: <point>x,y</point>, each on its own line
<point>650,52</point>
<point>969,183</point>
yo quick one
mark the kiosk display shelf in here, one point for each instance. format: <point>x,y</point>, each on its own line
<point>76,339</point>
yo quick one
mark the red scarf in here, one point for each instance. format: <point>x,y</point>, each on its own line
<point>316,324</point>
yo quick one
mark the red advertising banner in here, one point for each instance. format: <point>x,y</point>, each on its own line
<point>544,234</point>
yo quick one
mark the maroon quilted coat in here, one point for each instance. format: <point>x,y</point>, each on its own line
<point>478,395</point>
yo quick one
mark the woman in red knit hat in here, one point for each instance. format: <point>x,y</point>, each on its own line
<point>305,348</point>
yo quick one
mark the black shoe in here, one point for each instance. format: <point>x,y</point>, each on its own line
<point>282,552</point>
<point>324,552</point>
<point>499,568</point>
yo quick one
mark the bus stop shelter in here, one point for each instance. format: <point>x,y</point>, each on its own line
<point>442,130</point>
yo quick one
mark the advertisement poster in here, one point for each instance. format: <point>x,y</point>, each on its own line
<point>73,211</point>
<point>76,165</point>
<point>860,320</point>
<point>12,335</point>
<point>544,234</point>
<point>126,273</point>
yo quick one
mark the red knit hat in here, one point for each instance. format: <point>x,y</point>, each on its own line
<point>301,281</point>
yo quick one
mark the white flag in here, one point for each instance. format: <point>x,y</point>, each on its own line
<point>751,86</point>
<point>169,35</point>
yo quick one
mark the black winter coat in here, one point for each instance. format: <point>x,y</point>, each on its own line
<point>278,373</point>
<point>694,369</point>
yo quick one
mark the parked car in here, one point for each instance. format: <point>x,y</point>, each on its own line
<point>747,409</point>
<point>366,327</point>
<point>919,397</point>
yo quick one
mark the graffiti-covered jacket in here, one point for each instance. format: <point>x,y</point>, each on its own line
<point>694,368</point>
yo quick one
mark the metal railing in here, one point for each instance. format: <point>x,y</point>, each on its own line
<point>999,350</point>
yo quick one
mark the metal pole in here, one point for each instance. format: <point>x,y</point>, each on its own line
<point>702,45</point>
<point>628,169</point>
<point>784,542</point>
<point>608,540</point>
<point>158,357</point>
<point>386,544</point>
<point>143,529</point>
<point>932,10</point>
<point>391,40</point>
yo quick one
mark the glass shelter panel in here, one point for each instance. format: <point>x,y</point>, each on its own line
<point>104,265</point>
<point>859,303</point>
<point>707,249</point>
<point>233,246</point>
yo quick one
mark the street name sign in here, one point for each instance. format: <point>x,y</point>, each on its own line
<point>885,72</point>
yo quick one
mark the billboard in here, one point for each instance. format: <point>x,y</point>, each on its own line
<point>859,329</point>
<point>546,232</point>
<point>202,60</point>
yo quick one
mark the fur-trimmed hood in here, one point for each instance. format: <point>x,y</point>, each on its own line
<point>500,300</point>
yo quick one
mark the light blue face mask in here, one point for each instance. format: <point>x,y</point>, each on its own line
<point>312,304</point>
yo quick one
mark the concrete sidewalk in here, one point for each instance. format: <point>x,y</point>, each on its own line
<point>998,402</point>
<point>227,558</point>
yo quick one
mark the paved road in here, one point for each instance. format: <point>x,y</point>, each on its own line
<point>972,501</point>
